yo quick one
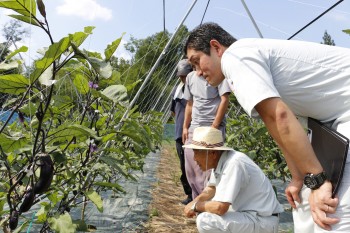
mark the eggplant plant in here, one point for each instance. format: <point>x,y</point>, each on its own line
<point>70,141</point>
<point>251,137</point>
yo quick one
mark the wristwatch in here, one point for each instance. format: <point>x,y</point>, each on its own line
<point>315,181</point>
<point>193,207</point>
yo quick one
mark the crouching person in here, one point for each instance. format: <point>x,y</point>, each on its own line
<point>238,196</point>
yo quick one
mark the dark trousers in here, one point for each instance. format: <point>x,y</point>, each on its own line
<point>180,152</point>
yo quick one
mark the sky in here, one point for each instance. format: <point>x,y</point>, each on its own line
<point>277,19</point>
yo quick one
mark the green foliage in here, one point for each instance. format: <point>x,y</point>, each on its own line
<point>70,107</point>
<point>327,39</point>
<point>145,53</point>
<point>347,31</point>
<point>251,137</point>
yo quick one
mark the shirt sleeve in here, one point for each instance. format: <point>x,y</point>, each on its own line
<point>224,88</point>
<point>212,180</point>
<point>187,93</point>
<point>249,76</point>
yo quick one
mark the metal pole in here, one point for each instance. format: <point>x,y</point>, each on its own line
<point>251,18</point>
<point>165,86</point>
<point>164,16</point>
<point>154,66</point>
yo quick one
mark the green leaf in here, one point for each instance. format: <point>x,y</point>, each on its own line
<point>11,144</point>
<point>109,51</point>
<point>42,212</point>
<point>54,52</point>
<point>260,132</point>
<point>114,79</point>
<point>26,19</point>
<point>347,31</point>
<point>9,66</point>
<point>113,162</point>
<point>252,154</point>
<point>29,109</point>
<point>22,49</point>
<point>130,87</point>
<point>46,77</point>
<point>81,83</point>
<point>80,225</point>
<point>58,157</point>
<point>54,198</point>
<point>101,67</point>
<point>23,7</point>
<point>62,224</point>
<point>110,185</point>
<point>13,84</point>
<point>108,137</point>
<point>79,37</point>
<point>96,199</point>
<point>116,93</point>
<point>66,132</point>
<point>61,101</point>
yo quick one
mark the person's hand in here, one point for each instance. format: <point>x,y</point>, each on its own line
<point>321,203</point>
<point>184,135</point>
<point>188,212</point>
<point>292,192</point>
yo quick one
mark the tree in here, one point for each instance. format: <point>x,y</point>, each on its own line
<point>13,32</point>
<point>145,53</point>
<point>327,39</point>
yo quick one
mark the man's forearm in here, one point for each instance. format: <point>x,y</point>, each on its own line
<point>222,109</point>
<point>188,115</point>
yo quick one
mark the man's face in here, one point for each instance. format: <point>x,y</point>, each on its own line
<point>207,66</point>
<point>204,159</point>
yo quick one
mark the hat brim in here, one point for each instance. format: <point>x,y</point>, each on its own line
<point>196,147</point>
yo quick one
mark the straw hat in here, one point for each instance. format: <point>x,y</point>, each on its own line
<point>207,138</point>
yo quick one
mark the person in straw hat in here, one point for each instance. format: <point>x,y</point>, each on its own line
<point>238,197</point>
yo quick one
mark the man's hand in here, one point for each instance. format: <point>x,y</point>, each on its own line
<point>292,192</point>
<point>321,203</point>
<point>188,212</point>
<point>184,135</point>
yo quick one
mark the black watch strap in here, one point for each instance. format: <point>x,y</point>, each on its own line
<point>314,181</point>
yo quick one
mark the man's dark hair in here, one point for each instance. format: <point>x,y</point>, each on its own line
<point>199,38</point>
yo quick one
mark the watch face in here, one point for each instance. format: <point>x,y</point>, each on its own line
<point>315,181</point>
<point>310,182</point>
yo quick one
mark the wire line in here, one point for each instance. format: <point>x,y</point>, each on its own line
<point>315,19</point>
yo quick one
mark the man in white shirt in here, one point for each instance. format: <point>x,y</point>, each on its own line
<point>239,197</point>
<point>278,80</point>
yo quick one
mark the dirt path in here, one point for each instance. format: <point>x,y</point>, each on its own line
<point>165,210</point>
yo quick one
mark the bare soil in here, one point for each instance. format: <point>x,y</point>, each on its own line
<point>166,210</point>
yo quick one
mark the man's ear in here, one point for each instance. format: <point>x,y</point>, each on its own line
<point>217,47</point>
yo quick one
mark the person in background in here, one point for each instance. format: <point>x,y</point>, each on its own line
<point>278,81</point>
<point>206,106</point>
<point>239,197</point>
<point>178,105</point>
